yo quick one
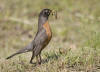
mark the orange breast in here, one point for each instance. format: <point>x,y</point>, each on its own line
<point>48,30</point>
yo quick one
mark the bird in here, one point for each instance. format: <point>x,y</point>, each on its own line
<point>41,39</point>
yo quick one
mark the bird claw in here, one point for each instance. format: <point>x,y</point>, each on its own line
<point>31,62</point>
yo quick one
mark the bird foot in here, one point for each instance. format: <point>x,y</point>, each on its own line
<point>39,63</point>
<point>32,62</point>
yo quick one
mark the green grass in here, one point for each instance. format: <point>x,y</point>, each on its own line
<point>75,46</point>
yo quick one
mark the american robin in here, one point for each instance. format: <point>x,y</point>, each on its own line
<point>42,38</point>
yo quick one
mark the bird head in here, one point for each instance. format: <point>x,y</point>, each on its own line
<point>47,12</point>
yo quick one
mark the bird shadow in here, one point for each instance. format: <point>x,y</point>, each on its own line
<point>55,55</point>
<point>48,58</point>
<point>51,57</point>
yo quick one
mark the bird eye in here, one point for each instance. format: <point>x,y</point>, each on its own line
<point>45,12</point>
<point>48,13</point>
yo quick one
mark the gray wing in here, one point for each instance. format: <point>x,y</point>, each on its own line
<point>39,41</point>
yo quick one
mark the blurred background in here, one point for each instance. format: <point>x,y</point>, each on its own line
<point>75,45</point>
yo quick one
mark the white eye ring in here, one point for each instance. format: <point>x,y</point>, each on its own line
<point>46,11</point>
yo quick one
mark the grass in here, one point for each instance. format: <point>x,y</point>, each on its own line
<point>76,35</point>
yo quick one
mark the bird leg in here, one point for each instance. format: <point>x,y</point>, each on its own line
<point>32,58</point>
<point>37,59</point>
<point>40,60</point>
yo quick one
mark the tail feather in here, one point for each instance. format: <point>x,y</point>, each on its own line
<point>26,49</point>
<point>12,55</point>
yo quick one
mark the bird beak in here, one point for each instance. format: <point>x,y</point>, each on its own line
<point>54,13</point>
